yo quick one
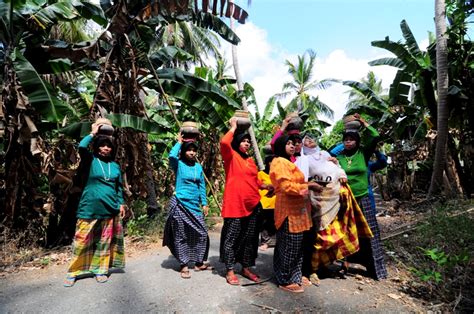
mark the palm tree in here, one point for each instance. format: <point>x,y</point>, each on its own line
<point>442,85</point>
<point>200,43</point>
<point>358,99</point>
<point>301,86</point>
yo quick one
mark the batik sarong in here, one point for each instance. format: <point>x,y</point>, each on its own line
<point>341,237</point>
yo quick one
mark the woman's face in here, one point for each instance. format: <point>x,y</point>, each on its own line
<point>190,154</point>
<point>350,142</point>
<point>297,144</point>
<point>105,150</point>
<point>309,142</point>
<point>244,145</point>
<point>290,148</point>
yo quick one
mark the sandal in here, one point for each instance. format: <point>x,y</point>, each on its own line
<point>263,247</point>
<point>295,288</point>
<point>101,278</point>
<point>314,279</point>
<point>204,266</point>
<point>185,274</point>
<point>305,282</point>
<point>232,280</point>
<point>249,275</point>
<point>69,282</point>
<point>344,270</point>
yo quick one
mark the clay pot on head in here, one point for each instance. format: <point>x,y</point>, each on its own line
<point>189,131</point>
<point>349,125</point>
<point>243,120</point>
<point>106,129</point>
<point>267,149</point>
<point>296,123</point>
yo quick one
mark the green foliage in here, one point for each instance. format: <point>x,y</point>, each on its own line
<point>444,243</point>
<point>40,93</point>
<point>334,137</point>
<point>442,263</point>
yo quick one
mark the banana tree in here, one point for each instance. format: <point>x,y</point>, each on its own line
<point>30,103</point>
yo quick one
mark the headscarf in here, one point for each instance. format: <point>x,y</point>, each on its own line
<point>355,135</point>
<point>268,161</point>
<point>309,150</point>
<point>293,137</point>
<point>280,147</point>
<point>184,148</point>
<point>101,140</point>
<point>238,138</point>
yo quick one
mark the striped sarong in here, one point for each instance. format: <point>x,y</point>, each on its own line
<point>239,240</point>
<point>341,237</point>
<point>98,246</point>
<point>288,256</point>
<point>371,252</point>
<point>185,234</point>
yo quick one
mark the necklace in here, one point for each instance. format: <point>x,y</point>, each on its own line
<point>349,161</point>
<point>103,171</point>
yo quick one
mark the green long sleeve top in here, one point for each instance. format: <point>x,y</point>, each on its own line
<point>103,193</point>
<point>356,164</point>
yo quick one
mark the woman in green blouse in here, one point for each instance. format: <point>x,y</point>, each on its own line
<point>354,160</point>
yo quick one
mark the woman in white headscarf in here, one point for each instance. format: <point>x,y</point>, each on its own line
<point>337,219</point>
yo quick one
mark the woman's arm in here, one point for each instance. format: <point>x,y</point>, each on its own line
<point>282,178</point>
<point>173,156</point>
<point>202,189</point>
<point>226,147</point>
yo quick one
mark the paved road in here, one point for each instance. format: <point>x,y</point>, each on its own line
<point>151,283</point>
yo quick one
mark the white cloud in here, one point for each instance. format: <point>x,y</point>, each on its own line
<point>263,66</point>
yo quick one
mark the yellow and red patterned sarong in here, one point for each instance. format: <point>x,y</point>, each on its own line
<point>98,246</point>
<point>341,236</point>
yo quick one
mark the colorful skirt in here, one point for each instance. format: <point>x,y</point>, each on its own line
<point>239,241</point>
<point>342,236</point>
<point>288,256</point>
<point>98,246</point>
<point>185,234</point>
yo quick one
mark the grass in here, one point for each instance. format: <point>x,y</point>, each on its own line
<point>439,255</point>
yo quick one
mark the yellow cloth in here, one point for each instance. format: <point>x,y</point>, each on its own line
<point>267,202</point>
<point>341,236</point>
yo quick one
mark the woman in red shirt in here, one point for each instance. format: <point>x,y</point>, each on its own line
<point>239,237</point>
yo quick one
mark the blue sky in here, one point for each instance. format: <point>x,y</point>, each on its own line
<point>340,31</point>
<point>325,25</point>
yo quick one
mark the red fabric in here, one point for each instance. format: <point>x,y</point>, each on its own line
<point>241,183</point>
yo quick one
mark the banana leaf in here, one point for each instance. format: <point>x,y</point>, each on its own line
<point>398,49</point>
<point>393,62</point>
<point>41,94</point>
<point>208,21</point>
<point>167,54</point>
<point>45,17</point>
<point>77,130</point>
<point>410,40</point>
<point>197,93</point>
<point>138,123</point>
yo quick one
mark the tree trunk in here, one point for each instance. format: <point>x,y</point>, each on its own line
<point>443,110</point>
<point>240,86</point>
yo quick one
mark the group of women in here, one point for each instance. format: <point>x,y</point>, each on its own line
<point>321,213</point>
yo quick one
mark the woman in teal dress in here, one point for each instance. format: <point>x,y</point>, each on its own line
<point>98,241</point>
